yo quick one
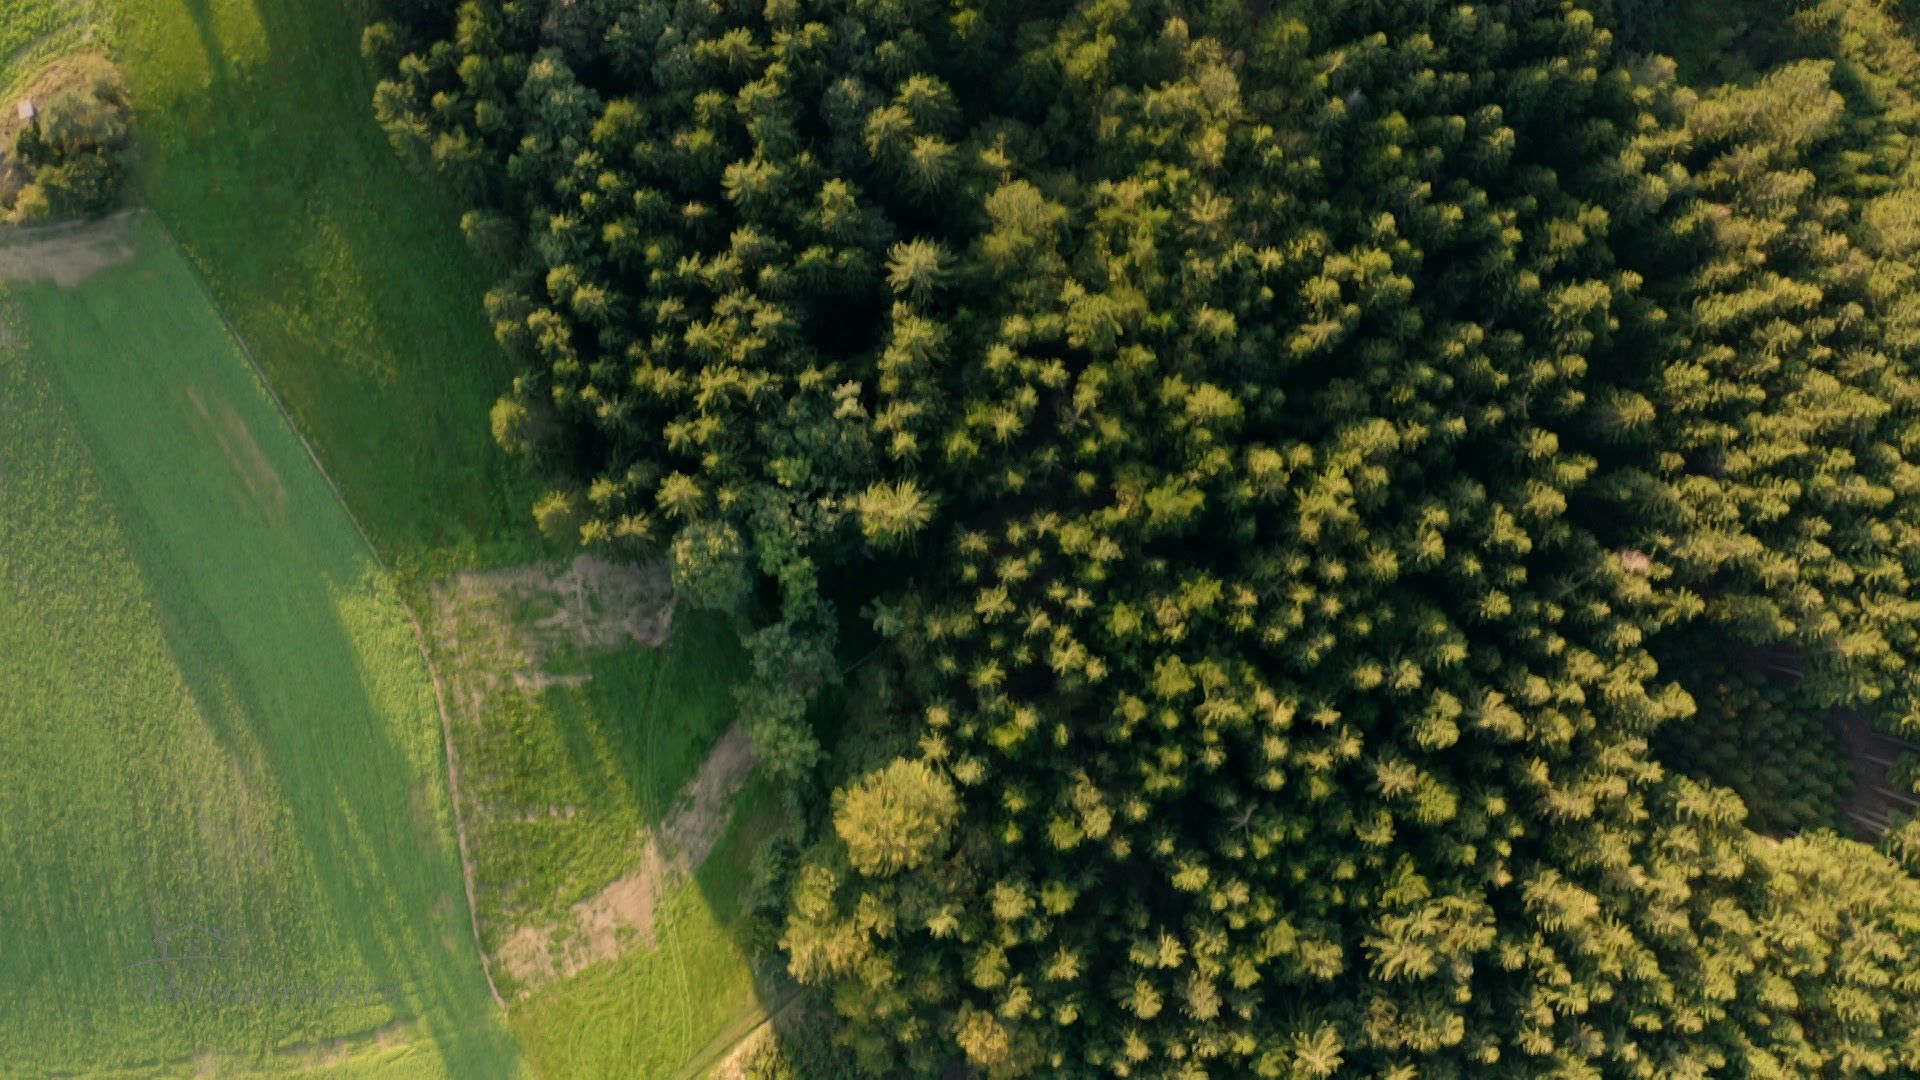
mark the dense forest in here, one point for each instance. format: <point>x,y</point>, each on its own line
<point>1252,522</point>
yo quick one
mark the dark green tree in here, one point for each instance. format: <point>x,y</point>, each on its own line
<point>1295,464</point>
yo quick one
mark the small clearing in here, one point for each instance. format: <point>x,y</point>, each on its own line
<point>523,630</point>
<point>524,620</point>
<point>620,916</point>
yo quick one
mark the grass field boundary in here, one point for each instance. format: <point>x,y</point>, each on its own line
<point>742,1029</point>
<point>419,631</point>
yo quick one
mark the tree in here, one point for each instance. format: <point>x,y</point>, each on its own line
<point>1299,467</point>
<point>77,152</point>
<point>895,819</point>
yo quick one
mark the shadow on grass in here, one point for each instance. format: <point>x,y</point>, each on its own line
<point>342,267</point>
<point>217,69</point>
<point>302,709</point>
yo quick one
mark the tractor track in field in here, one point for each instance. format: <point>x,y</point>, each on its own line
<point>79,25</point>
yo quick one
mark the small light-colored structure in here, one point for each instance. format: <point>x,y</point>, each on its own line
<point>1635,561</point>
<point>28,111</point>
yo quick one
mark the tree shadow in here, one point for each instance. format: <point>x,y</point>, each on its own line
<point>309,719</point>
<point>217,68</point>
<point>361,302</point>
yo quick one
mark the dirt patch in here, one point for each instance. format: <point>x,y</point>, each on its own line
<point>620,917</point>
<point>66,254</point>
<point>700,813</point>
<point>243,452</point>
<point>321,1056</point>
<point>520,623</point>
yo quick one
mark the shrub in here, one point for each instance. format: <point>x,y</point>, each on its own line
<point>76,154</point>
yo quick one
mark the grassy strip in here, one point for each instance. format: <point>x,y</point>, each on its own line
<point>653,1010</point>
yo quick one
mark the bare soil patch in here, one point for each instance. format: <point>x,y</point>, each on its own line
<point>519,622</point>
<point>243,452</point>
<point>66,254</point>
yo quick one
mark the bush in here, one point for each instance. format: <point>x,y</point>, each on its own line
<point>31,205</point>
<point>76,154</point>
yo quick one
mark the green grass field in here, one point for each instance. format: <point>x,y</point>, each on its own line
<point>33,30</point>
<point>653,1012</point>
<point>220,736</point>
<point>342,270</point>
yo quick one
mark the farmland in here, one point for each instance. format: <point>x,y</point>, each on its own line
<point>219,727</point>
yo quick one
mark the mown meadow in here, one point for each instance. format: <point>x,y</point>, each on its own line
<point>223,814</point>
<point>341,269</point>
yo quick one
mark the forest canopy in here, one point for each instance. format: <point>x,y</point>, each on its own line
<point>1298,488</point>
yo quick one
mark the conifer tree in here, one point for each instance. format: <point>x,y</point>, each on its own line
<point>1297,464</point>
